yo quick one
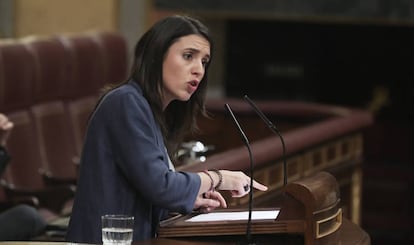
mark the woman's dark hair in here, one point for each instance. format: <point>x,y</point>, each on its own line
<point>179,118</point>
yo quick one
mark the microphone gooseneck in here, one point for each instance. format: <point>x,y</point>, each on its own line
<point>246,142</point>
<point>275,130</point>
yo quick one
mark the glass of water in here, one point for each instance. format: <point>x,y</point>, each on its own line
<point>117,229</point>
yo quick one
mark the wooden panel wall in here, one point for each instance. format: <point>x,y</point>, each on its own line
<point>44,17</point>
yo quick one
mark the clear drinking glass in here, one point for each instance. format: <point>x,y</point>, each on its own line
<point>117,229</point>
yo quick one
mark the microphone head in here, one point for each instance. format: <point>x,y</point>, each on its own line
<point>271,126</point>
<point>261,115</point>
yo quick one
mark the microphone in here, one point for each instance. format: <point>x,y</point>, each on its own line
<point>246,142</point>
<point>275,130</point>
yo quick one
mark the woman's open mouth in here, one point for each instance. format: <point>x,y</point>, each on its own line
<point>192,86</point>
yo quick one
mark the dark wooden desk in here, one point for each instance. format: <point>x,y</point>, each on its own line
<point>348,234</point>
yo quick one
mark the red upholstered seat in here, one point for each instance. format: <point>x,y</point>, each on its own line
<point>115,50</point>
<point>87,66</point>
<point>79,113</point>
<point>23,177</point>
<point>52,68</point>
<point>56,141</point>
<point>25,166</point>
<point>17,76</point>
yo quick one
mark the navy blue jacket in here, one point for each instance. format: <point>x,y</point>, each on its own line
<point>124,170</point>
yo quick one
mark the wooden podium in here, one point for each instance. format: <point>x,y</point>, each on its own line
<point>309,208</point>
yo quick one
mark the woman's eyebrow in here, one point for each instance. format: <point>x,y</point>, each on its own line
<point>194,50</point>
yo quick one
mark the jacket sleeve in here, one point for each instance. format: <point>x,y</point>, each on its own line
<point>4,159</point>
<point>140,153</point>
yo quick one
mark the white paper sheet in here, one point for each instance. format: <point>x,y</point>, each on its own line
<point>227,216</point>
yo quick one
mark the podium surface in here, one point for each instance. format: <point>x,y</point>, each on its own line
<point>348,234</point>
<point>310,214</point>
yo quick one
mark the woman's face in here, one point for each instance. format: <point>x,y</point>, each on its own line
<point>183,67</point>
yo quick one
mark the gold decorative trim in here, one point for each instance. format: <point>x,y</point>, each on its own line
<point>336,218</point>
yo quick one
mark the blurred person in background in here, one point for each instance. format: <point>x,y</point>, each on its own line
<point>21,222</point>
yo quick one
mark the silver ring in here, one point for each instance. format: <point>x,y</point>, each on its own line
<point>246,188</point>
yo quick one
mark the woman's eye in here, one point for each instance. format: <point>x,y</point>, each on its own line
<point>187,56</point>
<point>205,62</point>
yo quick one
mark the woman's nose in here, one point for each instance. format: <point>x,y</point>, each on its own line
<point>198,68</point>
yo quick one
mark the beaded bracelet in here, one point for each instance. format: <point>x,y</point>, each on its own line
<point>211,179</point>
<point>220,176</point>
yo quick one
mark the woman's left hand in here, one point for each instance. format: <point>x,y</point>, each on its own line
<point>238,183</point>
<point>209,201</point>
